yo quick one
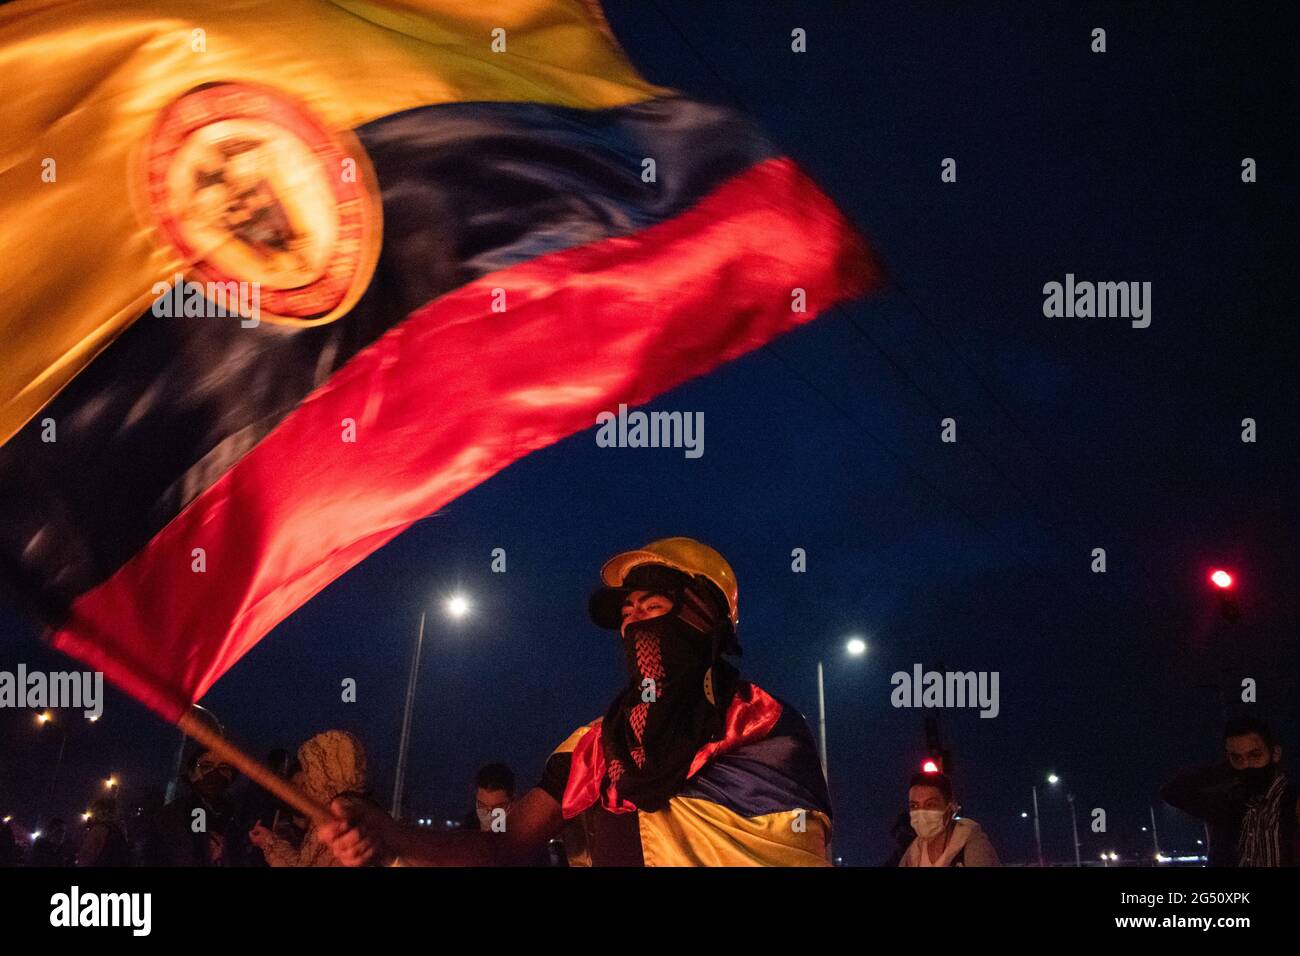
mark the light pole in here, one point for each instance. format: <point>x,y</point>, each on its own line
<point>854,647</point>
<point>1074,825</point>
<point>1038,833</point>
<point>43,718</point>
<point>1155,837</point>
<point>399,784</point>
<point>456,607</point>
<point>1053,779</point>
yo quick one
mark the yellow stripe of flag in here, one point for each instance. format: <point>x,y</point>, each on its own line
<point>85,81</point>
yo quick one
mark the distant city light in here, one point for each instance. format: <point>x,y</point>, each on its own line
<point>110,783</point>
<point>1053,779</point>
<point>93,717</point>
<point>44,718</point>
<point>856,646</point>
<point>1024,815</point>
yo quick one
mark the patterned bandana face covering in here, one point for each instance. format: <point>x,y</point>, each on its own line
<point>657,723</point>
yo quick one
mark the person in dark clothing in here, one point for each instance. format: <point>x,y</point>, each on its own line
<point>691,765</point>
<point>51,848</point>
<point>200,827</point>
<point>105,842</point>
<point>1246,802</point>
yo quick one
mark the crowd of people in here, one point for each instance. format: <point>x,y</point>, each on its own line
<point>690,766</point>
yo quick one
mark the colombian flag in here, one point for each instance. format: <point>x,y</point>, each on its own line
<point>282,277</point>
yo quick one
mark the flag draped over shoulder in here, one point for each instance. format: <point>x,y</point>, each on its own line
<point>447,233</point>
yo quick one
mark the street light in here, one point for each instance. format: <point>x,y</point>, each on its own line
<point>110,783</point>
<point>457,606</point>
<point>854,647</point>
<point>1053,779</point>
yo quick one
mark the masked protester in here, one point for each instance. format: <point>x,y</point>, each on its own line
<point>494,791</point>
<point>200,827</point>
<point>1251,810</point>
<point>689,766</point>
<point>942,837</point>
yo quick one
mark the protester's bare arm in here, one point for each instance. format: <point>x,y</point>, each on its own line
<point>365,834</point>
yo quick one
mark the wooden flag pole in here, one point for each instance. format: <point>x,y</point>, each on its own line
<point>252,768</point>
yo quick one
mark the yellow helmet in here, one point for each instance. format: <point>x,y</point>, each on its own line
<point>681,554</point>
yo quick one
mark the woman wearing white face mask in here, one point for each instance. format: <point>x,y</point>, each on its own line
<point>942,837</point>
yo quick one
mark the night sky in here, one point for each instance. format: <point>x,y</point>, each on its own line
<point>1072,434</point>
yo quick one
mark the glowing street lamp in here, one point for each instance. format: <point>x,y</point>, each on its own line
<point>854,647</point>
<point>1053,779</point>
<point>44,718</point>
<point>110,783</point>
<point>457,606</point>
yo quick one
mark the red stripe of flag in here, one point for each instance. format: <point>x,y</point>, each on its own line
<point>448,398</point>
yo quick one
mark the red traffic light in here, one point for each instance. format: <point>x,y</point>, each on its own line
<point>929,767</point>
<point>1221,579</point>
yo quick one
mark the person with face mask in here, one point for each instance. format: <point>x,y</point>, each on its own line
<point>200,827</point>
<point>942,837</point>
<point>1251,810</point>
<point>690,765</point>
<point>494,791</point>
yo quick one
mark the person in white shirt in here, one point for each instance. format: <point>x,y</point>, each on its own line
<point>942,837</point>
